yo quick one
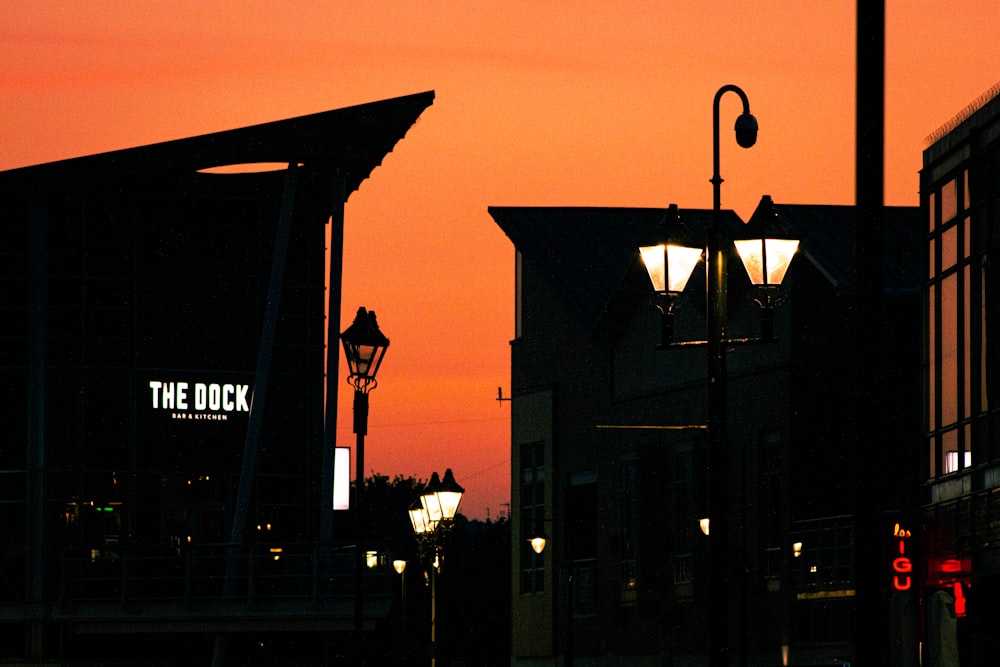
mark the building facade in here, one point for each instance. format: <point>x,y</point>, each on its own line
<point>960,203</point>
<point>167,461</point>
<point>609,456</point>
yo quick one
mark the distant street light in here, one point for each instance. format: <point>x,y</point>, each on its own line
<point>766,261</point>
<point>432,517</point>
<point>364,348</point>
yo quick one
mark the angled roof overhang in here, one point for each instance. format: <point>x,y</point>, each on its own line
<point>349,142</point>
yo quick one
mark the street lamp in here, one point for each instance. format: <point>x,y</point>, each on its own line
<point>766,262</point>
<point>766,251</point>
<point>364,347</point>
<point>431,517</point>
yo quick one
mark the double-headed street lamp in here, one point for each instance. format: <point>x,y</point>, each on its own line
<point>364,348</point>
<point>669,265</point>
<point>432,517</point>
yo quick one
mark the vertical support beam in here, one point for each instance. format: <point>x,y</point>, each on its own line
<point>335,252</point>
<point>36,529</point>
<point>871,634</point>
<point>265,352</point>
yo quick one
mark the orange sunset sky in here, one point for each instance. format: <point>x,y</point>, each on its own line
<point>537,103</point>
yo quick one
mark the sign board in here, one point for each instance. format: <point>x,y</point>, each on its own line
<point>342,478</point>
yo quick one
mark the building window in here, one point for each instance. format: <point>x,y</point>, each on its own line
<point>628,501</point>
<point>684,514</point>
<point>532,515</point>
<point>825,560</point>
<point>770,501</point>
<point>582,526</point>
<point>518,306</point>
<point>956,327</point>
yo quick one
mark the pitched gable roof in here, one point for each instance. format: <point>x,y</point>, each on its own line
<point>827,235</point>
<point>589,254</point>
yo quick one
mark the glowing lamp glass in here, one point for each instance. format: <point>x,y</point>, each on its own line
<point>420,521</point>
<point>766,260</point>
<point>537,544</point>
<point>449,495</point>
<point>431,502</point>
<point>669,266</point>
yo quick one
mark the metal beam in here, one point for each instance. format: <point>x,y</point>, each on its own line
<point>265,352</point>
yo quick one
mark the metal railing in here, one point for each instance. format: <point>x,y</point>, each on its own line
<point>195,573</point>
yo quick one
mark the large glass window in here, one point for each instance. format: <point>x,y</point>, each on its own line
<point>957,327</point>
<point>628,500</point>
<point>770,497</point>
<point>684,514</point>
<point>582,512</point>
<point>532,515</point>
<point>825,555</point>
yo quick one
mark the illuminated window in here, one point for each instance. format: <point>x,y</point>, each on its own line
<point>951,461</point>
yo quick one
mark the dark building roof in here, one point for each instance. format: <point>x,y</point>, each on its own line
<point>589,255</point>
<point>827,237</point>
<point>350,142</point>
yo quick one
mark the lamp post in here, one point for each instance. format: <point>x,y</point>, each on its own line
<point>667,264</point>
<point>432,517</point>
<point>399,565</point>
<point>364,348</point>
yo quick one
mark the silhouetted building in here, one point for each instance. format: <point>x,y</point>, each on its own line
<point>608,447</point>
<point>960,203</point>
<point>166,471</point>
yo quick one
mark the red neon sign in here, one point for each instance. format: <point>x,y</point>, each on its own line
<point>959,599</point>
<point>902,566</point>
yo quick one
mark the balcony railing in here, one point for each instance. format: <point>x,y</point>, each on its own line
<point>193,576</point>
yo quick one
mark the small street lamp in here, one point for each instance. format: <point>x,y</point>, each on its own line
<point>432,517</point>
<point>766,261</point>
<point>364,347</point>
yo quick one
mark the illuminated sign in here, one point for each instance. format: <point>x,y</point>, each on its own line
<point>959,599</point>
<point>902,566</point>
<point>199,400</point>
<point>342,478</point>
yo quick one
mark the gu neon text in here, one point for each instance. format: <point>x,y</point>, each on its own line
<point>902,566</point>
